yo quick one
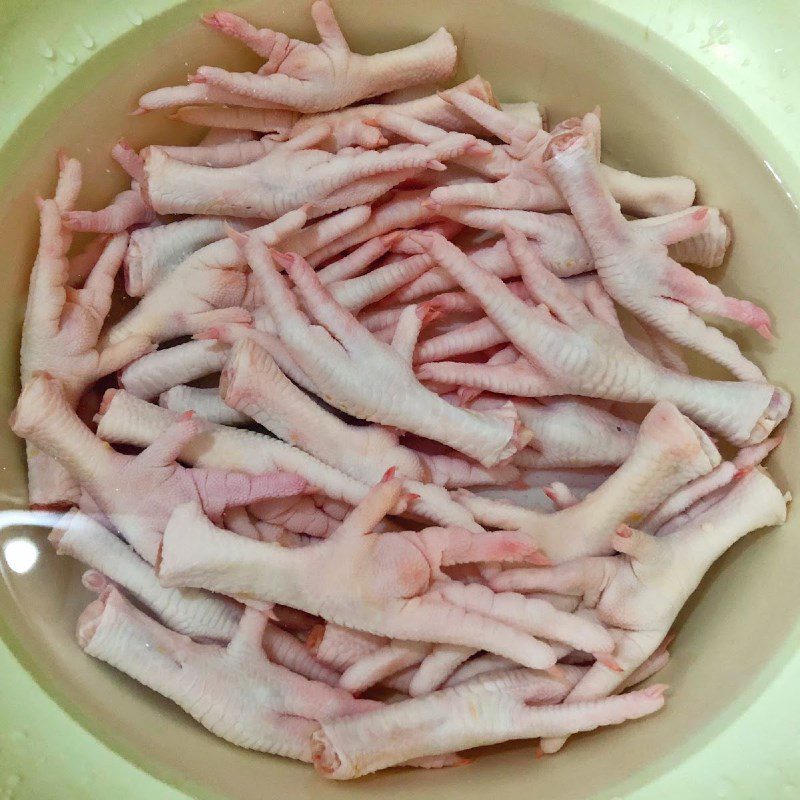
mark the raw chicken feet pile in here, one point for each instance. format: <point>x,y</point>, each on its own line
<point>374,471</point>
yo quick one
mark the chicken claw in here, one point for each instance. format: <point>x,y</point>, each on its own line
<point>510,706</point>
<point>326,76</point>
<point>568,350</point>
<point>640,594</point>
<point>62,326</point>
<point>636,269</point>
<point>363,376</point>
<point>286,178</point>
<point>234,691</point>
<point>153,482</point>
<point>389,584</point>
<point>669,452</point>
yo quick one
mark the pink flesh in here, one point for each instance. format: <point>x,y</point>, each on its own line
<point>62,326</point>
<point>560,340</point>
<point>642,593</point>
<point>340,379</point>
<point>314,78</point>
<point>389,567</point>
<point>235,691</point>
<point>155,482</point>
<point>636,269</point>
<point>669,451</point>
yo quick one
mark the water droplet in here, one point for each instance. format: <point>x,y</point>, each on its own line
<point>69,57</point>
<point>46,50</point>
<point>134,16</point>
<point>789,109</point>
<point>40,87</point>
<point>718,33</point>
<point>85,37</point>
<point>783,72</point>
<point>691,27</point>
<point>745,62</point>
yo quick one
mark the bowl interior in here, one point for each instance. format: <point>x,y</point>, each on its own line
<point>730,639</point>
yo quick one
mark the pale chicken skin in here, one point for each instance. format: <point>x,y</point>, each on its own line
<point>524,184</point>
<point>641,594</point>
<point>62,326</point>
<point>235,690</point>
<point>561,339</point>
<point>460,718</point>
<point>313,78</point>
<point>393,447</point>
<point>154,482</point>
<point>253,383</point>
<point>391,579</point>
<point>669,452</point>
<point>334,368</point>
<point>637,271</point>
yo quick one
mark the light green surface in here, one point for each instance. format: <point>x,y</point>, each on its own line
<point>749,51</point>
